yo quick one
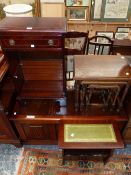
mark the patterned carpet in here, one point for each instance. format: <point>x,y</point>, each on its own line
<point>10,156</point>
<point>50,162</point>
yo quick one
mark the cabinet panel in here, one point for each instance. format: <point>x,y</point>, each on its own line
<point>42,70</point>
<point>40,131</point>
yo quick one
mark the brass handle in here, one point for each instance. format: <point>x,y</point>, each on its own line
<point>32,45</point>
<point>50,42</point>
<point>12,42</point>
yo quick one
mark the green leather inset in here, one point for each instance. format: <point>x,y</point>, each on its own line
<point>89,133</point>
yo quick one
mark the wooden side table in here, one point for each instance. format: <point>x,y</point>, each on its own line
<point>92,138</point>
<point>105,69</point>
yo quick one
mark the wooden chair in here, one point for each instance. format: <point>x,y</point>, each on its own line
<point>99,45</point>
<point>75,44</point>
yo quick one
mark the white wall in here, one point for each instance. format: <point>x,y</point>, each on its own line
<point>52,8</point>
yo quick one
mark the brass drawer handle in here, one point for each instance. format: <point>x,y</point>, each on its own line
<point>50,42</point>
<point>11,42</point>
<point>32,45</point>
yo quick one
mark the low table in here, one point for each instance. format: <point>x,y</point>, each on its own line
<point>92,138</point>
<point>111,69</point>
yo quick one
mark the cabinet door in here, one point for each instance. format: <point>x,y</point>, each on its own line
<point>37,132</point>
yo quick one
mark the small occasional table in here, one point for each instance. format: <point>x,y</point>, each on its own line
<point>91,139</point>
<point>106,68</point>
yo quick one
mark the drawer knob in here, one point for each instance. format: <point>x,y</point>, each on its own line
<point>12,42</point>
<point>50,42</point>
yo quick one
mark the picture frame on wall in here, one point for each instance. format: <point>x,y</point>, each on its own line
<point>76,13</point>
<point>108,34</point>
<point>116,10</point>
<point>123,29</point>
<point>121,35</point>
<point>110,10</point>
<point>104,33</point>
<point>70,3</point>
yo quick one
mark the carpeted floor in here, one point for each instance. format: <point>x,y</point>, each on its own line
<point>10,156</point>
<point>50,162</point>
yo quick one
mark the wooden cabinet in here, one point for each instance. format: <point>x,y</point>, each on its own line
<point>35,53</point>
<point>34,49</point>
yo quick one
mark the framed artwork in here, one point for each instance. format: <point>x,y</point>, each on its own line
<point>104,40</point>
<point>96,7</point>
<point>76,13</point>
<point>108,34</point>
<point>121,35</point>
<point>110,10</point>
<point>70,3</point>
<point>116,10</point>
<point>123,29</point>
<point>34,3</point>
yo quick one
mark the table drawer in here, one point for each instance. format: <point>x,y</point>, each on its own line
<point>32,42</point>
